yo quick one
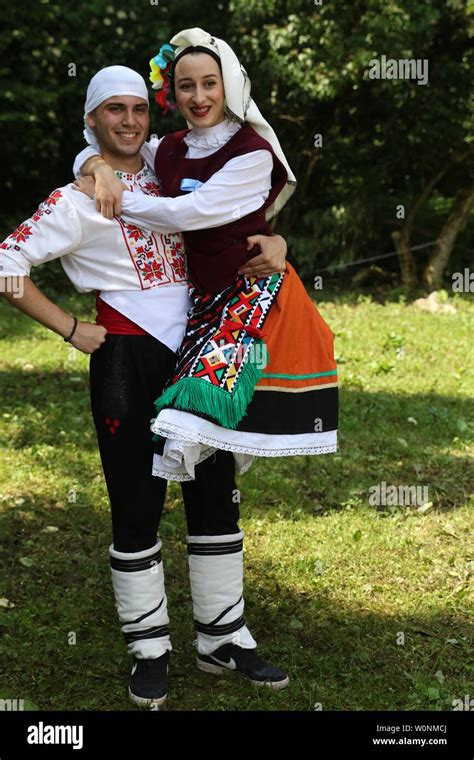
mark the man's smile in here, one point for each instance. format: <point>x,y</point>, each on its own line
<point>128,135</point>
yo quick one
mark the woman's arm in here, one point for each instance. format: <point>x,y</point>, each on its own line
<point>108,188</point>
<point>148,151</point>
<point>240,187</point>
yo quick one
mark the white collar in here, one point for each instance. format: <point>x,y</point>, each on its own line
<point>212,137</point>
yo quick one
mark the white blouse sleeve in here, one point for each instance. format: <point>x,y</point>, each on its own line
<point>82,157</point>
<point>54,230</point>
<point>148,151</point>
<point>240,187</point>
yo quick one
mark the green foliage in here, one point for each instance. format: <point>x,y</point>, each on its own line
<point>49,51</point>
<point>382,139</point>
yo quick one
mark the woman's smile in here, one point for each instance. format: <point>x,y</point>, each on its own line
<point>201,111</point>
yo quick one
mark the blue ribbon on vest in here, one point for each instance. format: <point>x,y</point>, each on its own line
<point>188,185</point>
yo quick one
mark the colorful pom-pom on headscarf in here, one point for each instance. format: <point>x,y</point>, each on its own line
<point>165,55</point>
<point>160,66</point>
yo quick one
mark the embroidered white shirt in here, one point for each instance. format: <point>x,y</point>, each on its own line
<point>146,270</point>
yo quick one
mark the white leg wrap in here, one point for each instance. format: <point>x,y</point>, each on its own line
<point>141,601</point>
<point>216,575</point>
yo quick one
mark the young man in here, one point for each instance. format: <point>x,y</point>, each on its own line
<point>142,303</point>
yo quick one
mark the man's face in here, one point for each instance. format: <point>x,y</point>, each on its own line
<point>121,124</point>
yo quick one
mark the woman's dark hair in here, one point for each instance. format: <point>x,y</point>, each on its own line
<point>186,51</point>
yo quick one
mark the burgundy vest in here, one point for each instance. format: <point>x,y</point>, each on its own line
<point>215,255</point>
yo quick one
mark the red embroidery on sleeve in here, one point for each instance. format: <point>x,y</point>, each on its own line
<point>22,233</point>
<point>52,199</point>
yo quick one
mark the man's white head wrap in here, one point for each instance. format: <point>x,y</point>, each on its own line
<point>239,103</point>
<point>108,82</point>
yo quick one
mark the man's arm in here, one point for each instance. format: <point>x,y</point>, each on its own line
<point>53,231</point>
<point>271,259</point>
<point>87,336</point>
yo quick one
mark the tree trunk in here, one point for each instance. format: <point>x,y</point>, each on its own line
<point>401,237</point>
<point>454,224</point>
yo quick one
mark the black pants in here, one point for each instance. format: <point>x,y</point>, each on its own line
<point>127,374</point>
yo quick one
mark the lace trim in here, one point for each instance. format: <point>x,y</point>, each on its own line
<point>212,137</point>
<point>178,446</point>
<point>242,468</point>
<point>168,430</point>
<point>179,477</point>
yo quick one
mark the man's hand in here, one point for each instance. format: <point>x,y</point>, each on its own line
<point>88,337</point>
<point>271,259</point>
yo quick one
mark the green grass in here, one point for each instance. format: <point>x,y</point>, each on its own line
<point>367,607</point>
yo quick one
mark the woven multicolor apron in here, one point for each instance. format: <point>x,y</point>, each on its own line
<point>255,375</point>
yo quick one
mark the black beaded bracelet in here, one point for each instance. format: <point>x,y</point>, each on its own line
<point>66,340</point>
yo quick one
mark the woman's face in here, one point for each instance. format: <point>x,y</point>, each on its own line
<point>199,90</point>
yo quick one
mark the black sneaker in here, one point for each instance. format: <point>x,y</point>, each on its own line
<point>231,657</point>
<point>149,681</point>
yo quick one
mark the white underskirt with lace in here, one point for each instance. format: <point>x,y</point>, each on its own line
<point>190,440</point>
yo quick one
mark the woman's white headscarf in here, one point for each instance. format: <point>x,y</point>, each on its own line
<point>239,103</point>
<point>113,80</point>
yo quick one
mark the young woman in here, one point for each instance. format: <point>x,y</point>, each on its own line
<point>226,177</point>
<point>255,373</point>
